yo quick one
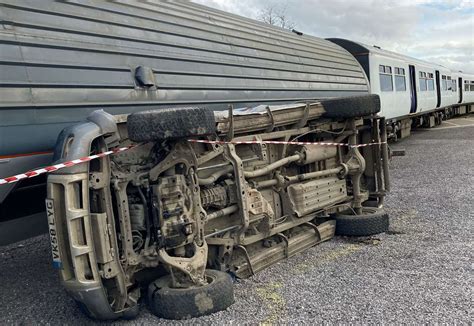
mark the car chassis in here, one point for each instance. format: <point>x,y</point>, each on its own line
<point>172,209</point>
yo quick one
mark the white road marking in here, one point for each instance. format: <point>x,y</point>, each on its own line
<point>450,123</point>
<point>452,127</point>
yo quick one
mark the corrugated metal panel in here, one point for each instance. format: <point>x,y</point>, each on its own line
<point>59,61</point>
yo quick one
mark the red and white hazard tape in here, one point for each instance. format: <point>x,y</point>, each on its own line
<point>35,173</point>
<point>48,169</point>
<point>276,142</point>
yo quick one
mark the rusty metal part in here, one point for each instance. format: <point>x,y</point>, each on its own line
<point>258,256</point>
<point>292,115</point>
<point>247,258</point>
<point>230,228</point>
<point>175,211</point>
<point>193,267</point>
<point>314,153</point>
<point>356,165</point>
<point>313,175</point>
<point>230,116</point>
<point>219,165</point>
<point>258,205</point>
<point>309,197</point>
<point>241,188</point>
<point>215,176</point>
<point>223,212</point>
<point>215,196</point>
<point>305,117</point>
<point>272,120</point>
<point>340,171</point>
<point>182,153</point>
<point>385,154</point>
<point>273,166</point>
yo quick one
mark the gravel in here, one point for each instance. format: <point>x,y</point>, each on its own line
<point>419,272</point>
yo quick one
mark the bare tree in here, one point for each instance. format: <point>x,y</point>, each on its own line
<point>276,15</point>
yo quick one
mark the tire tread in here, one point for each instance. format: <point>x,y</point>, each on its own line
<point>170,123</point>
<point>351,106</point>
<point>175,304</point>
<point>377,221</point>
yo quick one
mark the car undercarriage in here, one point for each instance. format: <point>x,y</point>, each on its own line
<point>203,196</point>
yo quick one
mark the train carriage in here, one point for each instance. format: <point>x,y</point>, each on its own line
<point>411,91</point>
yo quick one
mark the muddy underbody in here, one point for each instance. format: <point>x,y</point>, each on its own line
<point>171,207</point>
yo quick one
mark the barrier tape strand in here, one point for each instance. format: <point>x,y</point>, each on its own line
<point>55,167</point>
<point>276,142</point>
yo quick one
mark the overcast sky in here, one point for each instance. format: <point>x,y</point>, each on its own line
<point>432,30</point>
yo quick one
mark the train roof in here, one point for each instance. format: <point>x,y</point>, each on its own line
<point>357,48</point>
<point>60,60</point>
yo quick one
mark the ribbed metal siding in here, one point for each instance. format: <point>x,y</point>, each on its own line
<point>60,61</point>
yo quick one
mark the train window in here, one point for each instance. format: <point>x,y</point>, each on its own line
<point>399,71</point>
<point>430,84</point>
<point>422,84</point>
<point>400,83</point>
<point>422,81</point>
<point>472,86</point>
<point>454,85</point>
<point>444,83</point>
<point>466,86</point>
<point>450,84</point>
<point>386,82</point>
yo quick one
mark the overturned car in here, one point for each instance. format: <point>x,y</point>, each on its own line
<point>204,196</point>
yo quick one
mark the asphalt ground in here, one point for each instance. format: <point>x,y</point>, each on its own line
<point>419,272</point>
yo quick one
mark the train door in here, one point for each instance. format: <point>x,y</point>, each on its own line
<point>438,89</point>
<point>413,89</point>
<point>460,89</point>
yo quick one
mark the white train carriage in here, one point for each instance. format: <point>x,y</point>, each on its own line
<point>467,86</point>
<point>412,90</point>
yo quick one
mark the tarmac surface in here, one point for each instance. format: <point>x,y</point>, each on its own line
<point>421,271</point>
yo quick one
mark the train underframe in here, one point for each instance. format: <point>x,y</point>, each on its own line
<point>401,128</point>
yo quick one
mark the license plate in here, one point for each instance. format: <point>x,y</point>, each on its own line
<point>53,234</point>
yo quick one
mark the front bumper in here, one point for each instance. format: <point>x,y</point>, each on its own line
<point>68,190</point>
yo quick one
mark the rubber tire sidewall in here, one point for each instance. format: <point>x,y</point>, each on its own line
<point>371,221</point>
<point>172,303</point>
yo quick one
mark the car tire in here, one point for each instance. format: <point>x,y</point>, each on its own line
<point>184,303</point>
<point>351,106</point>
<point>171,123</point>
<point>371,221</point>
